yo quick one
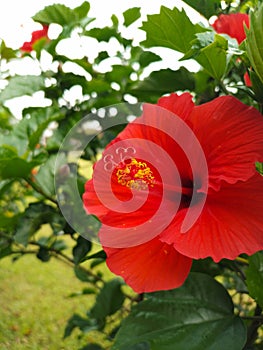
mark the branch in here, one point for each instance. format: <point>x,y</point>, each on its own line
<point>40,191</point>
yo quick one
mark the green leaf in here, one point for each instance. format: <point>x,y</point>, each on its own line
<point>92,347</point>
<point>103,34</point>
<point>32,219</point>
<point>131,15</point>
<point>207,8</point>
<point>254,276</point>
<point>22,85</point>
<point>27,132</point>
<point>81,249</point>
<point>6,52</point>
<point>257,86</point>
<point>62,14</point>
<point>197,316</point>
<point>213,57</point>
<point>81,274</point>
<point>43,254</point>
<point>119,74</point>
<point>144,58</point>
<point>5,247</point>
<point>99,255</point>
<point>254,41</point>
<point>46,173</point>
<point>162,82</point>
<point>108,301</point>
<point>170,28</point>
<point>12,166</point>
<point>77,321</point>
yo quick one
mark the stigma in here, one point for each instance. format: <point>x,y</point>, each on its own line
<point>135,174</point>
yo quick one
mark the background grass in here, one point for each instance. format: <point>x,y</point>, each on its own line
<point>35,305</point>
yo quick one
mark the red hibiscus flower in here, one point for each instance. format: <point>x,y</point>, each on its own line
<point>36,35</point>
<point>233,25</point>
<point>179,183</point>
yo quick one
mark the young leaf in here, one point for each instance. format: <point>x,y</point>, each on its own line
<point>197,316</point>
<point>170,28</point>
<point>61,14</point>
<point>255,277</point>
<point>213,57</point>
<point>131,15</point>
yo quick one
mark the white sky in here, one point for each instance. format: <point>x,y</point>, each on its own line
<point>16,28</point>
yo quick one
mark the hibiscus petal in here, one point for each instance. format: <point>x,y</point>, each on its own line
<point>150,266</point>
<point>231,135</point>
<point>233,25</point>
<point>181,105</point>
<point>230,223</point>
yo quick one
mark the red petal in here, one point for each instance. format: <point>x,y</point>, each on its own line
<point>230,224</point>
<point>233,25</point>
<point>150,266</point>
<point>181,105</point>
<point>231,135</point>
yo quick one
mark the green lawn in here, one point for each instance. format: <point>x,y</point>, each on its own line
<point>35,306</point>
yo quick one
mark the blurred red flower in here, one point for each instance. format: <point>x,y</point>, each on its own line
<point>233,25</point>
<point>230,222</point>
<point>36,35</point>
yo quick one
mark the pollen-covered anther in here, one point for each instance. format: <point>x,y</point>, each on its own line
<point>135,175</point>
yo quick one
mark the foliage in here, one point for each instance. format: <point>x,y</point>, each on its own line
<point>203,313</point>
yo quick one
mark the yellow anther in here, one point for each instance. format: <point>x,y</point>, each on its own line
<point>135,175</point>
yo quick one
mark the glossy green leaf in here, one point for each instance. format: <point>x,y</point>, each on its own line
<point>170,28</point>
<point>197,316</point>
<point>108,301</point>
<point>61,14</point>
<point>34,216</point>
<point>254,276</point>
<point>207,8</point>
<point>22,85</point>
<point>81,249</point>
<point>162,82</point>
<point>131,15</point>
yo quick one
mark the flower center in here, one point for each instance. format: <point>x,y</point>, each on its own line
<point>135,174</point>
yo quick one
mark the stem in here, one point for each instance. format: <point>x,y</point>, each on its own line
<point>39,190</point>
<point>61,255</point>
<point>252,332</point>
